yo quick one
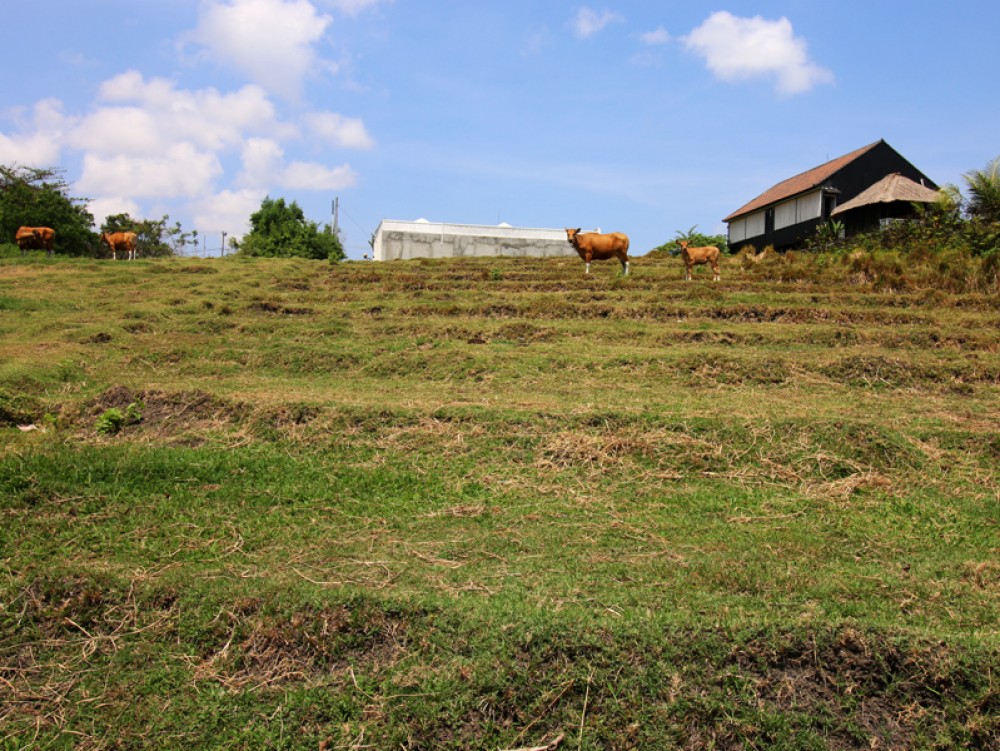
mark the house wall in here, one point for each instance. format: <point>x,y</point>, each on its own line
<point>848,182</point>
<point>403,240</point>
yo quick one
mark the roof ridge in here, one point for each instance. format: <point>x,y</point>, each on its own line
<point>820,173</point>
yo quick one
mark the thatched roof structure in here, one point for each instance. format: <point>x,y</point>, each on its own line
<point>890,189</point>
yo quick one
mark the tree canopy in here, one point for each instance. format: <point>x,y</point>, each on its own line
<point>280,229</point>
<point>984,192</point>
<point>35,197</point>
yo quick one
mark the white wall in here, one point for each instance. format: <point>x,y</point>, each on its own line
<point>401,240</point>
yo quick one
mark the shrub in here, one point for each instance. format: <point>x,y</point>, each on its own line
<point>113,420</point>
<point>110,422</point>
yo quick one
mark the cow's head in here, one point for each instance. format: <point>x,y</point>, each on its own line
<point>571,234</point>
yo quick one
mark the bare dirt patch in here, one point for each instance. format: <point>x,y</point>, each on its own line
<point>166,413</point>
<point>269,651</point>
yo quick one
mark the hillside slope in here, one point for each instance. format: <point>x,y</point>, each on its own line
<point>493,503</point>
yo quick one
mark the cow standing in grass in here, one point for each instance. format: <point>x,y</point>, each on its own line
<point>695,256</point>
<point>35,238</point>
<point>600,247</point>
<point>123,241</point>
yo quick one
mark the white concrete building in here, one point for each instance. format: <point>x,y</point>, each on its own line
<point>422,239</point>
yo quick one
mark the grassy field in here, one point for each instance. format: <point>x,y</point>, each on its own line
<point>495,504</point>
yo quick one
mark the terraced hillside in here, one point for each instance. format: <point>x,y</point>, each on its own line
<point>494,503</point>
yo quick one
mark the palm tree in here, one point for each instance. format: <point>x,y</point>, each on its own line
<point>984,192</point>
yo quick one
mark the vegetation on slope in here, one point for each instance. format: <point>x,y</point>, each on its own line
<point>497,504</point>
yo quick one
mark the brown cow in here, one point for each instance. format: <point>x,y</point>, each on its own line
<point>124,241</point>
<point>696,256</point>
<point>35,238</point>
<point>595,246</point>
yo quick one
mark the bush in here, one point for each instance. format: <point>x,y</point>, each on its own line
<point>282,230</point>
<point>113,420</point>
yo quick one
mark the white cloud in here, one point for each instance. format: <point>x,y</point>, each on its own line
<point>656,37</point>
<point>147,147</point>
<point>264,165</point>
<point>182,171</point>
<point>119,130</point>
<point>312,176</point>
<point>588,22</point>
<point>263,158</point>
<point>351,7</point>
<point>346,132</point>
<point>228,211</point>
<point>37,142</point>
<point>271,41</point>
<point>48,116</point>
<point>737,49</point>
<point>29,150</point>
<point>102,208</point>
<point>145,115</point>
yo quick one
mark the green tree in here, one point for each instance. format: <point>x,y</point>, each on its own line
<point>280,229</point>
<point>984,192</point>
<point>155,237</point>
<point>37,197</point>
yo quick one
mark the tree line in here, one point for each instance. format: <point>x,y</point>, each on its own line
<point>40,197</point>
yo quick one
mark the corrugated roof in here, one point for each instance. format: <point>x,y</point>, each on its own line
<point>891,188</point>
<point>800,183</point>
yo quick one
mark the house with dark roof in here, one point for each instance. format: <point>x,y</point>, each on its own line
<point>788,213</point>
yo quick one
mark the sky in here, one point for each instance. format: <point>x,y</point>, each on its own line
<point>648,118</point>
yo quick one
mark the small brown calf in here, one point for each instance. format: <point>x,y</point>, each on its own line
<point>696,256</point>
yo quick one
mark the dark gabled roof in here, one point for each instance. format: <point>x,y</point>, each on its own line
<point>889,189</point>
<point>793,186</point>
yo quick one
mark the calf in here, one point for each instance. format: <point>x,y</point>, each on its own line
<point>695,256</point>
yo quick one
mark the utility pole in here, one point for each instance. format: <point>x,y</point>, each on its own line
<point>223,252</point>
<point>336,217</point>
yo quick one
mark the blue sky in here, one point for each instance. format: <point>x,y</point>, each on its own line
<point>640,117</point>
